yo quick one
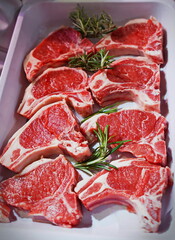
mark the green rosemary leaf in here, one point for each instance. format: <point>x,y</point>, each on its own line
<point>98,158</point>
<point>92,62</point>
<point>91,26</point>
<point>107,110</point>
<point>104,167</point>
<point>119,142</point>
<point>112,166</point>
<point>115,148</point>
<point>84,169</point>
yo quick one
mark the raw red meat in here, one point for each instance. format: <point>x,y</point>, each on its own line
<point>146,130</point>
<point>4,210</point>
<point>142,37</point>
<point>56,84</point>
<point>45,190</point>
<point>130,79</point>
<point>135,183</point>
<point>52,129</point>
<point>55,50</point>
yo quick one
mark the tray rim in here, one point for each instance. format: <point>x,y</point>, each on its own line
<point>19,21</point>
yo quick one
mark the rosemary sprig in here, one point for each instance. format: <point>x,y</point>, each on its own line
<point>80,20</point>
<point>98,158</point>
<point>92,27</point>
<point>108,109</point>
<point>92,62</point>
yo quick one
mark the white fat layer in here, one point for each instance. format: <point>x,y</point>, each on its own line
<point>57,69</point>
<point>26,104</point>
<point>141,206</point>
<point>136,21</point>
<point>154,52</point>
<point>35,165</point>
<point>52,210</point>
<point>101,180</point>
<point>127,48</point>
<point>150,201</point>
<point>34,61</point>
<point>7,157</point>
<point>72,146</point>
<point>24,152</point>
<point>118,163</point>
<point>91,123</point>
<point>139,96</point>
<point>105,82</point>
<point>124,162</point>
<point>117,44</point>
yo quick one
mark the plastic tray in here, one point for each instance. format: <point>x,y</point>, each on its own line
<point>34,23</point>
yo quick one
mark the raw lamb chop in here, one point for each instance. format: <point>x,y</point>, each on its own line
<point>135,183</point>
<point>51,130</point>
<point>45,190</point>
<point>142,37</point>
<point>55,50</point>
<point>55,84</point>
<point>146,130</point>
<point>130,79</point>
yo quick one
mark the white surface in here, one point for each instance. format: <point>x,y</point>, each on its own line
<point>34,23</point>
<point>8,14</point>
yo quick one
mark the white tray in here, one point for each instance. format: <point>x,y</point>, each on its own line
<point>35,22</point>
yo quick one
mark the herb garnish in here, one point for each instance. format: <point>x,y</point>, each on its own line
<point>92,62</point>
<point>108,109</point>
<point>98,158</point>
<point>92,27</point>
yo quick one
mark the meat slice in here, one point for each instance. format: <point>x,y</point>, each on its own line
<point>135,183</point>
<point>146,130</point>
<point>55,50</point>
<point>130,79</point>
<point>51,130</point>
<point>5,210</point>
<point>142,37</point>
<point>45,190</point>
<point>55,84</point>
